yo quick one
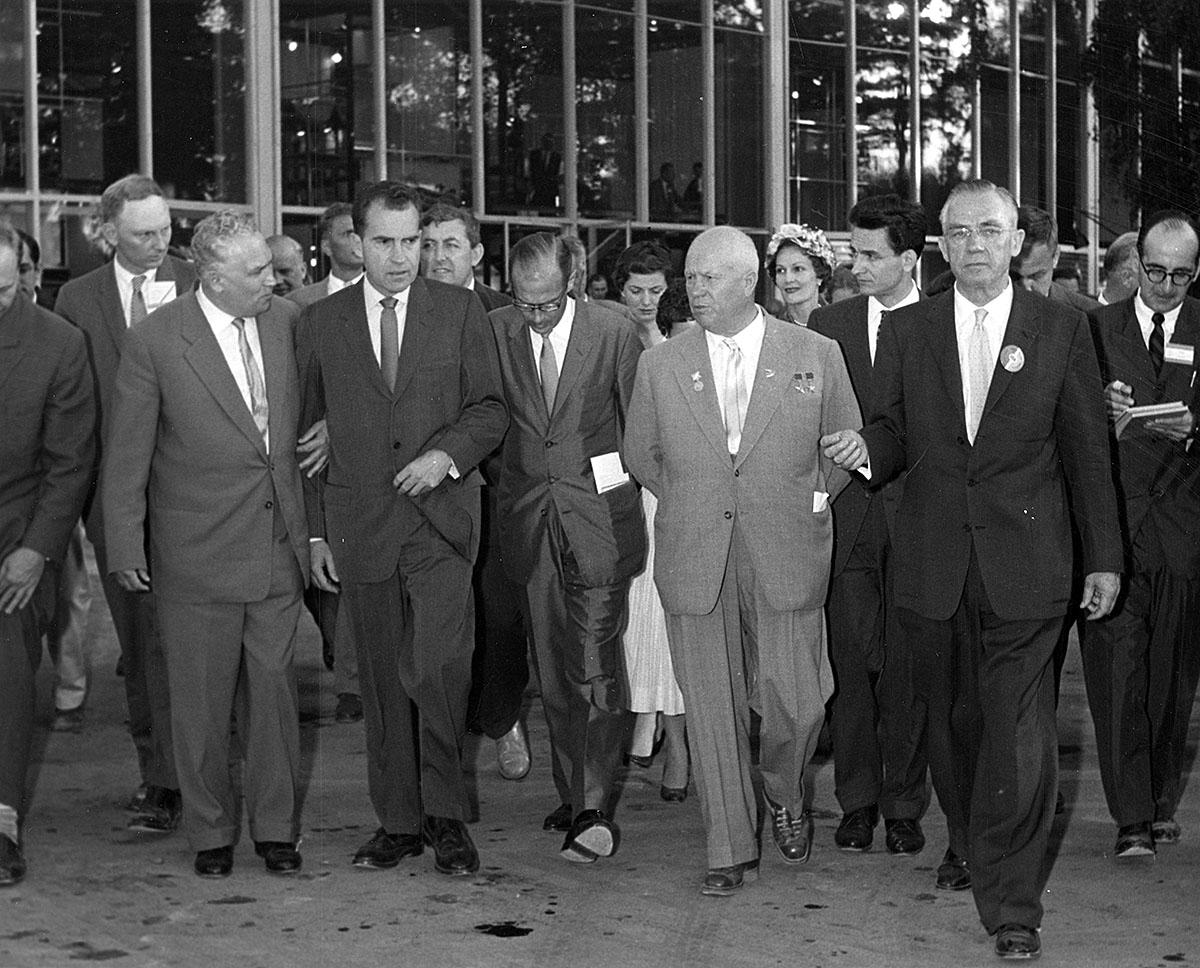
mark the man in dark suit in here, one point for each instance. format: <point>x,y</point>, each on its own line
<point>876,725</point>
<point>986,396</point>
<point>201,469</point>
<point>1033,268</point>
<point>341,245</point>
<point>571,526</point>
<point>104,303</point>
<point>405,372</point>
<point>46,459</point>
<point>664,197</point>
<point>1141,664</point>
<point>451,247</point>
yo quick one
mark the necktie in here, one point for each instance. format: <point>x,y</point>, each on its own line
<point>258,389</point>
<point>1156,343</point>
<point>874,344</point>
<point>734,397</point>
<point>548,368</point>
<point>137,305</point>
<point>389,342</point>
<point>979,373</point>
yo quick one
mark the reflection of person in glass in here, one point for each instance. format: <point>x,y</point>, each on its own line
<point>800,260</point>
<point>693,195</point>
<point>543,169</point>
<point>664,198</point>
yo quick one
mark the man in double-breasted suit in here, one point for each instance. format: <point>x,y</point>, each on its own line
<point>104,303</point>
<point>405,372</point>
<point>201,470</point>
<point>723,428</point>
<point>986,396</point>
<point>571,527</point>
<point>46,457</point>
<point>1141,664</point>
<point>877,730</point>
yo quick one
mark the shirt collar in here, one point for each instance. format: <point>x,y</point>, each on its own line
<point>750,338</point>
<point>998,309</point>
<point>874,306</point>
<point>217,317</point>
<point>125,277</point>
<point>372,296</point>
<point>1145,314</point>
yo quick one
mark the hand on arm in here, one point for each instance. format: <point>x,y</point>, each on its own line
<point>424,473</point>
<point>20,573</point>
<point>846,448</point>
<point>134,579</point>
<point>314,445</point>
<point>1100,590</point>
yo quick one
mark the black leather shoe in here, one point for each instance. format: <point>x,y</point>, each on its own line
<point>281,858</point>
<point>386,850</point>
<point>560,819</point>
<point>159,813</point>
<point>793,835</point>
<point>1166,831</point>
<point>904,836</point>
<point>673,794</point>
<point>12,861</point>
<point>1134,840</point>
<point>857,830</point>
<point>591,836</point>
<point>954,873</point>
<point>1017,941</point>
<point>349,708</point>
<point>217,862</point>
<point>723,881</point>
<point>453,850</point>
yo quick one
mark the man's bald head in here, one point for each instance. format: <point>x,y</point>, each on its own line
<point>721,273</point>
<point>287,257</point>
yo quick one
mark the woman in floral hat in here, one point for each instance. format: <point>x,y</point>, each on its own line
<point>800,261</point>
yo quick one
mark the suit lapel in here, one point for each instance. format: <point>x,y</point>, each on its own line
<point>695,376</point>
<point>13,345</point>
<point>1177,379</point>
<point>273,335</point>
<point>1023,328</point>
<point>206,359</point>
<point>857,347</point>
<point>412,346</point>
<point>358,337</point>
<point>769,381</point>
<point>111,310</point>
<point>529,383</point>
<point>580,348</point>
<point>943,341</point>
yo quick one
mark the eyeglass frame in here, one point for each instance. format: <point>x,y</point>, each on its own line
<point>1152,271</point>
<point>988,234</point>
<point>546,307</point>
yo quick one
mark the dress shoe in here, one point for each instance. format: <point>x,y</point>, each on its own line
<point>281,858</point>
<point>349,708</point>
<point>673,794</point>
<point>217,862</point>
<point>857,829</point>
<point>67,721</point>
<point>159,813</point>
<point>591,836</point>
<point>137,799</point>
<point>1165,832</point>
<point>1017,941</point>
<point>1134,840</point>
<point>453,850</point>
<point>560,819</point>
<point>12,861</point>
<point>386,850</point>
<point>954,873</point>
<point>512,753</point>
<point>793,835</point>
<point>904,836</point>
<point>723,881</point>
<point>327,654</point>
<point>1060,805</point>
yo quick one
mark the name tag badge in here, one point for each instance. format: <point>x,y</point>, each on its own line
<point>1179,353</point>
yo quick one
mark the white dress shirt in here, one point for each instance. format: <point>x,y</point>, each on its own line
<point>1145,318</point>
<point>372,298</point>
<point>334,284</point>
<point>125,287</point>
<point>226,333</point>
<point>749,341</point>
<point>875,311</point>
<point>994,324</point>
<point>559,337</point>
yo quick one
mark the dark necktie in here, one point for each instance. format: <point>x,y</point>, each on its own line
<point>1156,344</point>
<point>137,303</point>
<point>883,318</point>
<point>548,368</point>
<point>389,342</point>
<point>258,389</point>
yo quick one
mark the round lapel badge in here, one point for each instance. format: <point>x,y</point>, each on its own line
<point>1012,359</point>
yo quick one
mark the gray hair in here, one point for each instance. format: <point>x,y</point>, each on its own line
<point>131,188</point>
<point>215,232</point>
<point>979,186</point>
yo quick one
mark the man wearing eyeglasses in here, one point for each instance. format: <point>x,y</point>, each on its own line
<point>986,396</point>
<point>1141,664</point>
<point>571,528</point>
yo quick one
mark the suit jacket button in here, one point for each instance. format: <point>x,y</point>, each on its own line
<point>961,441</point>
<point>966,527</point>
<point>269,505</point>
<point>737,472</point>
<point>396,445</point>
<point>728,515</point>
<point>542,512</point>
<point>549,443</point>
<point>971,482</point>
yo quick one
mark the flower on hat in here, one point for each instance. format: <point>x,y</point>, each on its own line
<point>810,241</point>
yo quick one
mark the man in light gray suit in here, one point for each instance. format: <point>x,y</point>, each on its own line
<point>724,428</point>
<point>202,460</point>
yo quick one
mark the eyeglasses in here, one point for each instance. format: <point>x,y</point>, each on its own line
<point>988,234</point>
<point>1156,274</point>
<point>546,307</point>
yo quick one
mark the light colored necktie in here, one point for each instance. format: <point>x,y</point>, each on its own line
<point>389,342</point>
<point>734,397</point>
<point>258,389</point>
<point>137,304</point>
<point>548,368</point>
<point>979,373</point>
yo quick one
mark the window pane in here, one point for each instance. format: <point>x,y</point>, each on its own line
<point>946,93</point>
<point>883,123</point>
<point>676,114</point>
<point>327,129</point>
<point>523,101</point>
<point>12,96</point>
<point>739,134</point>
<point>745,14</point>
<point>604,113</point>
<point>87,93</point>
<point>198,74</point>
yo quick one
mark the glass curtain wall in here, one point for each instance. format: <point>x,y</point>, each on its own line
<point>604,109</point>
<point>676,106</point>
<point>13,140</point>
<point>739,100</point>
